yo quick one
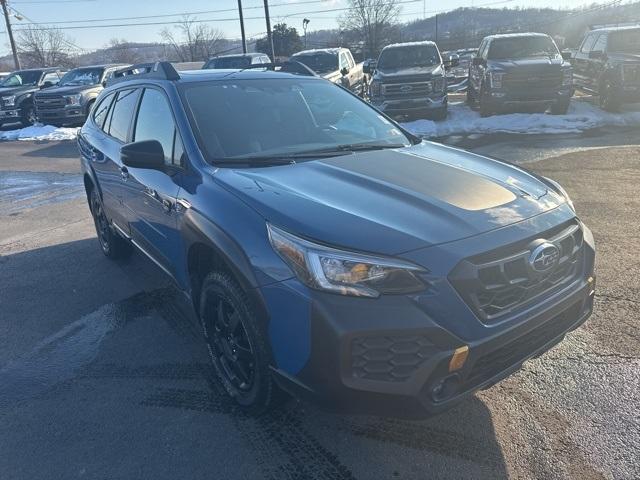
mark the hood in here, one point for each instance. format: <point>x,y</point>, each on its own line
<point>396,73</point>
<point>392,201</point>
<point>67,90</point>
<point>534,64</point>
<point>17,90</point>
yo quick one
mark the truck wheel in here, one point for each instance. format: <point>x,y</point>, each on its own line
<point>561,107</point>
<point>608,98</point>
<point>28,117</point>
<point>471,97</point>
<point>237,345</point>
<point>113,245</point>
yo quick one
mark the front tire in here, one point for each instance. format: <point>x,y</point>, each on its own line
<point>237,344</point>
<point>113,245</point>
<point>28,117</point>
<point>608,98</point>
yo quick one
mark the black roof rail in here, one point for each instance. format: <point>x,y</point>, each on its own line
<point>290,66</point>
<point>153,70</point>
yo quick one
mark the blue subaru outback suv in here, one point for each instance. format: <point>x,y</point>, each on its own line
<point>329,253</point>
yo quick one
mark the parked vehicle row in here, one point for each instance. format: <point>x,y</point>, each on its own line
<point>328,252</point>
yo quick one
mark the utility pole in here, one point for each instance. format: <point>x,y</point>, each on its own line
<point>436,28</point>
<point>269,34</point>
<point>305,24</point>
<point>244,38</point>
<point>16,60</point>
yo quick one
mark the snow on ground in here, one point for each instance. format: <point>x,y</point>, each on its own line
<point>40,132</point>
<point>582,116</point>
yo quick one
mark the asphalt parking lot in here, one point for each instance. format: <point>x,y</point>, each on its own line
<point>103,374</point>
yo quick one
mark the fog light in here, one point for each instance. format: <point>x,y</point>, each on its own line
<point>459,357</point>
<point>445,388</point>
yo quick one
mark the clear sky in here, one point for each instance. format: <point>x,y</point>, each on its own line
<point>97,14</point>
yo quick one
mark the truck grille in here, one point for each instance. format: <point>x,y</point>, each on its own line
<point>389,358</point>
<point>631,74</point>
<point>406,90</point>
<point>529,80</point>
<point>49,102</point>
<point>502,281</point>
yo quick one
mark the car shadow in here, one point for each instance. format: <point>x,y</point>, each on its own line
<point>111,351</point>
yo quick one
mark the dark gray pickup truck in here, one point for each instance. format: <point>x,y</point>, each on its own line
<point>607,63</point>
<point>71,100</point>
<point>520,70</point>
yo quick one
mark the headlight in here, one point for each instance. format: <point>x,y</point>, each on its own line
<point>495,79</point>
<point>9,101</point>
<point>563,192</point>
<point>73,99</point>
<point>375,89</point>
<point>345,273</point>
<point>438,84</point>
<point>567,78</point>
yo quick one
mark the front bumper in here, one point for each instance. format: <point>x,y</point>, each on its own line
<point>505,98</point>
<point>62,115</point>
<point>10,115</point>
<point>408,106</point>
<point>391,355</point>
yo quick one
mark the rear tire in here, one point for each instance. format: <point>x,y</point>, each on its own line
<point>112,245</point>
<point>28,117</point>
<point>608,99</point>
<point>238,349</point>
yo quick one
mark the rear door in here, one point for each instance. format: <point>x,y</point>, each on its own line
<point>151,194</point>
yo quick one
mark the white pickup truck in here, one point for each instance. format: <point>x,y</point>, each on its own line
<point>336,65</point>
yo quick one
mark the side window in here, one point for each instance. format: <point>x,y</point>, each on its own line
<point>265,59</point>
<point>101,110</point>
<point>588,43</point>
<point>484,50</point>
<point>601,44</point>
<point>343,61</point>
<point>352,62</point>
<point>51,77</point>
<point>123,108</point>
<point>155,122</point>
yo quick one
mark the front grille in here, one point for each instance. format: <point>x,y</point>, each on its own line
<point>49,102</point>
<point>516,351</point>
<point>501,281</point>
<point>389,358</point>
<point>535,81</point>
<point>631,74</point>
<point>407,90</point>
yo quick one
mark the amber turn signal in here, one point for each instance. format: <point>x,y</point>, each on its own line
<point>459,357</point>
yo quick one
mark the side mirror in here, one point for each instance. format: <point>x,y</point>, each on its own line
<point>344,71</point>
<point>369,67</point>
<point>596,54</point>
<point>452,61</point>
<point>567,55</point>
<point>146,154</point>
<point>47,84</point>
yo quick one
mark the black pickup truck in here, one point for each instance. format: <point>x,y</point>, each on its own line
<point>519,70</point>
<point>607,63</point>
<point>71,100</point>
<point>16,93</point>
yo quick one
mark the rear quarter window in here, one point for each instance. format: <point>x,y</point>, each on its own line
<point>123,109</point>
<point>101,110</point>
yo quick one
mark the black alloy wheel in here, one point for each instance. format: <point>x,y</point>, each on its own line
<point>112,244</point>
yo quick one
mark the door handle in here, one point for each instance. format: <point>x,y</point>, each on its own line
<point>124,173</point>
<point>166,205</point>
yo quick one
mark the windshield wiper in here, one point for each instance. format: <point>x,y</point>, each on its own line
<point>357,147</point>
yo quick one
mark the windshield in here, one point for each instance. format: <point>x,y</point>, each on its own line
<point>230,62</point>
<point>319,62</point>
<point>282,117</point>
<point>407,57</point>
<point>522,47</point>
<point>24,78</point>
<point>625,42</point>
<point>82,76</point>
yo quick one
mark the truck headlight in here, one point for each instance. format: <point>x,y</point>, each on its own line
<point>345,273</point>
<point>495,79</point>
<point>375,88</point>
<point>438,84</point>
<point>567,78</point>
<point>9,101</point>
<point>73,100</point>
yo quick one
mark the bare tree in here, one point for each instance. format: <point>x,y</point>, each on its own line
<point>121,51</point>
<point>373,19</point>
<point>41,46</point>
<point>191,41</point>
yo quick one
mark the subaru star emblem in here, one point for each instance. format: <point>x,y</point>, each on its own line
<point>544,257</point>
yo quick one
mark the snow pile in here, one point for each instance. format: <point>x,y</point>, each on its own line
<point>582,116</point>
<point>40,132</point>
